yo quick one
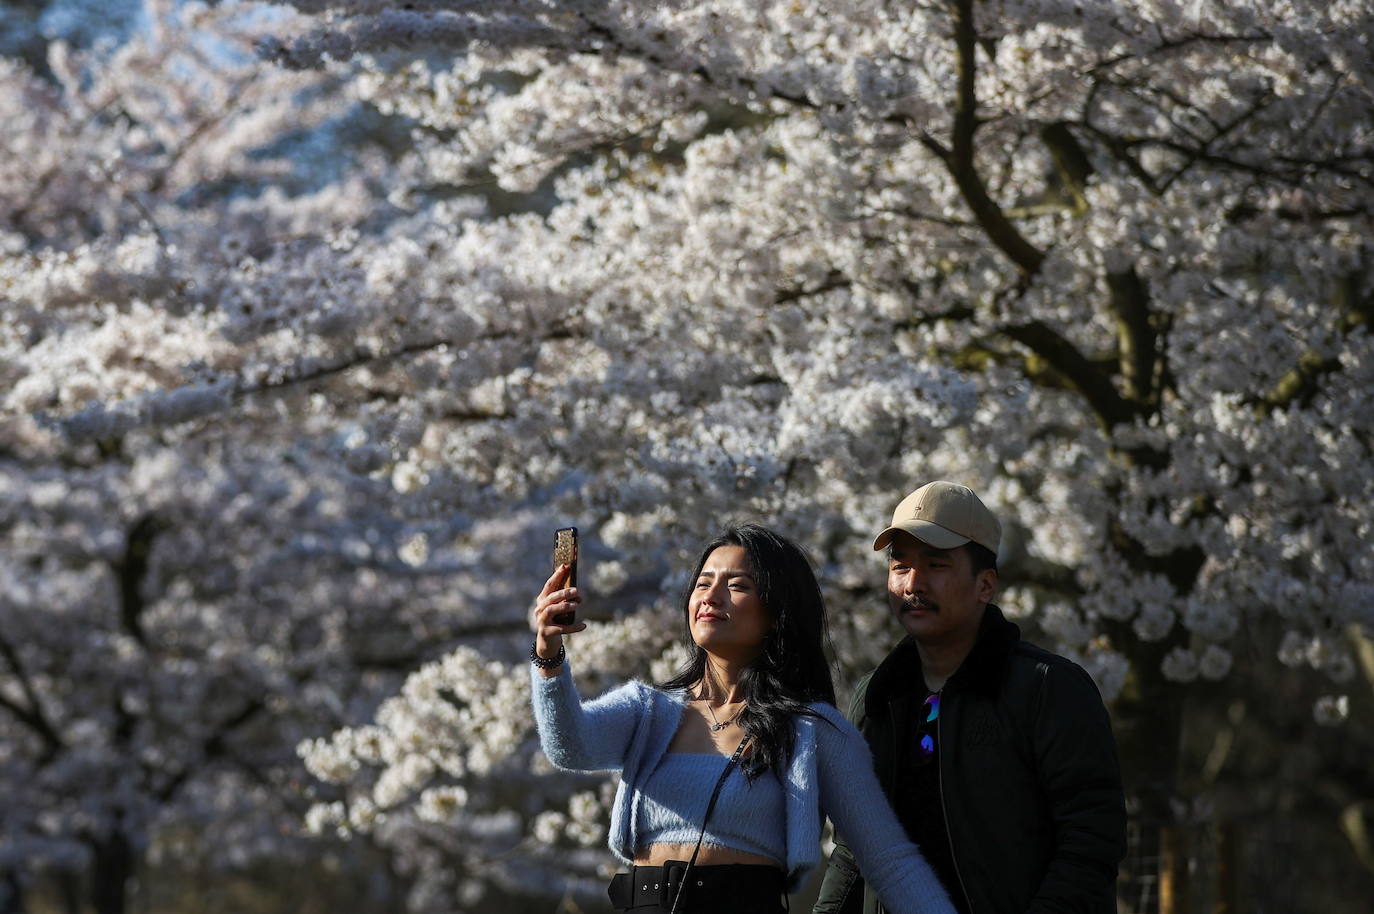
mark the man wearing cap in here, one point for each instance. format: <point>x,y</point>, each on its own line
<point>997,755</point>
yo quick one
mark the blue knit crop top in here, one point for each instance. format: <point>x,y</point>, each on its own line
<point>662,795</point>
<point>749,815</point>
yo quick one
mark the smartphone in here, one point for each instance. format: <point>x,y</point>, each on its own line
<point>565,553</point>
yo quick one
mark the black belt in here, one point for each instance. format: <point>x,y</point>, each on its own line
<point>742,885</point>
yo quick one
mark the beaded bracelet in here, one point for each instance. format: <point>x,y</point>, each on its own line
<point>546,663</point>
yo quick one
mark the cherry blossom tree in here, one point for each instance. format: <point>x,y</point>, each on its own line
<point>1107,262</point>
<point>646,267</point>
<point>159,658</point>
<point>27,26</point>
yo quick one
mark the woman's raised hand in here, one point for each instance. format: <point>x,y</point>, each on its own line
<point>554,600</point>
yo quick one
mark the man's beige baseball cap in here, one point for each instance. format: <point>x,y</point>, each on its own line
<point>944,515</point>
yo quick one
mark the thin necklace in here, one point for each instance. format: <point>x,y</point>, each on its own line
<point>719,725</point>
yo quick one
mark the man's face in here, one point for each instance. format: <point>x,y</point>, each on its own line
<point>934,593</point>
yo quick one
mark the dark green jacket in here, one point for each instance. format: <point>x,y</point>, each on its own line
<point>1029,777</point>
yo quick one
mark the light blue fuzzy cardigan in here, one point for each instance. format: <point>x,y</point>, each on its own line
<point>629,729</point>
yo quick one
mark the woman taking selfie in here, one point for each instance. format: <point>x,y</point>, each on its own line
<point>729,768</point>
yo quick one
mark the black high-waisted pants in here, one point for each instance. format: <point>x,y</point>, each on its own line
<point>735,888</point>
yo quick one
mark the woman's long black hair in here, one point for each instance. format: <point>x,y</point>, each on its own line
<point>791,670</point>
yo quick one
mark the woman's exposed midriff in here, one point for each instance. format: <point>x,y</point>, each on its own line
<point>710,855</point>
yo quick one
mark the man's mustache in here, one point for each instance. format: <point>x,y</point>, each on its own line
<point>920,603</point>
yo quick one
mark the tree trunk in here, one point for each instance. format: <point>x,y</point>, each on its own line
<point>69,890</point>
<point>112,871</point>
<point>11,893</point>
<point>1173,871</point>
<point>1227,884</point>
<point>1148,721</point>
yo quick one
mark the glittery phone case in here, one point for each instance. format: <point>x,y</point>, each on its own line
<point>565,553</point>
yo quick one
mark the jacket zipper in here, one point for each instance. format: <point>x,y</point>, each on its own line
<point>944,810</point>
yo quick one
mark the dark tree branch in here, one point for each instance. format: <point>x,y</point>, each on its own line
<point>1138,342</point>
<point>1303,382</point>
<point>40,187</point>
<point>198,133</point>
<point>1296,167</point>
<point>1136,336</point>
<point>1070,161</point>
<point>1221,131</point>
<point>357,360</point>
<point>1087,379</point>
<point>917,216</point>
<point>35,722</point>
<point>215,746</point>
<point>1175,44</point>
<point>1033,366</point>
<point>959,159</point>
<point>130,571</point>
<point>33,715</point>
<point>132,197</point>
<point>1243,211</point>
<point>833,280</point>
<point>361,359</point>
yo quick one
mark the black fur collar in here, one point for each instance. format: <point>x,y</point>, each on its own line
<point>981,671</point>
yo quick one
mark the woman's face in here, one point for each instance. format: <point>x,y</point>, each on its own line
<point>726,617</point>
